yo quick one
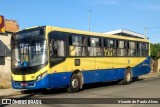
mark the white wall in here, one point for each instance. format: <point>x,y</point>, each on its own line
<point>5,71</point>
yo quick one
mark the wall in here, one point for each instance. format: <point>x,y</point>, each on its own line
<point>11,26</point>
<point>5,69</point>
<point>155,65</point>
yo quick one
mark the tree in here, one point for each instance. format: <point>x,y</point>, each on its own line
<point>155,50</point>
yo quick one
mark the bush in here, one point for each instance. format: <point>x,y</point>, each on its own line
<point>155,50</point>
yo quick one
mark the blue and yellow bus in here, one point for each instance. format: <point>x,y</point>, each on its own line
<point>52,57</point>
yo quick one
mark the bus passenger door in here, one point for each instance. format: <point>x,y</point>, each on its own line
<point>58,63</point>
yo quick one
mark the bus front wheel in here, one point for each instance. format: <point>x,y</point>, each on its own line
<point>74,84</point>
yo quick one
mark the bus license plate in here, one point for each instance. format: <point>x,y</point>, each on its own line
<point>23,84</point>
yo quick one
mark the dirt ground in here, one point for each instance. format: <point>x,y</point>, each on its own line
<point>150,75</point>
<point>5,83</point>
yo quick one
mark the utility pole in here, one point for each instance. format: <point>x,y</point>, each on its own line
<point>89,20</point>
<point>145,31</point>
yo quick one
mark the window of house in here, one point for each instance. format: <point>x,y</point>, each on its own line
<point>2,60</point>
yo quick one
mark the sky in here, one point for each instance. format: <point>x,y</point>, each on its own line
<point>106,15</point>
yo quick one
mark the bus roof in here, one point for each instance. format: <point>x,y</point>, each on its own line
<point>96,34</point>
<point>52,28</point>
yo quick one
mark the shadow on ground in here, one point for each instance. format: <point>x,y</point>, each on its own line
<point>31,93</point>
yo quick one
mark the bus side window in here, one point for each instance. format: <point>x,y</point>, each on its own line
<point>57,48</point>
<point>109,47</point>
<point>51,47</point>
<point>95,47</point>
<point>77,45</point>
<point>120,48</point>
<point>132,49</point>
<point>145,49</point>
<point>139,47</point>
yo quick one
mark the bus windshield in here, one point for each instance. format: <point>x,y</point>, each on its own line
<point>29,53</point>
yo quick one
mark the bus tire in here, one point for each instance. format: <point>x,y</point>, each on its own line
<point>127,77</point>
<point>74,84</point>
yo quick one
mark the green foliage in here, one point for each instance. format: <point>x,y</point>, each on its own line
<point>155,50</point>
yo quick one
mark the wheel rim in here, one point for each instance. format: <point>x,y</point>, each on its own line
<point>74,83</point>
<point>128,77</point>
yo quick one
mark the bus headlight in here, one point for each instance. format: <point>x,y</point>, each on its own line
<point>41,75</point>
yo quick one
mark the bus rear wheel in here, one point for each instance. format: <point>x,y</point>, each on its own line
<point>127,77</point>
<point>74,84</point>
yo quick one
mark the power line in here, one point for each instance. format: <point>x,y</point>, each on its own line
<point>154,27</point>
<point>147,29</point>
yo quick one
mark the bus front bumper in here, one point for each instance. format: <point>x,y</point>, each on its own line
<point>42,83</point>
